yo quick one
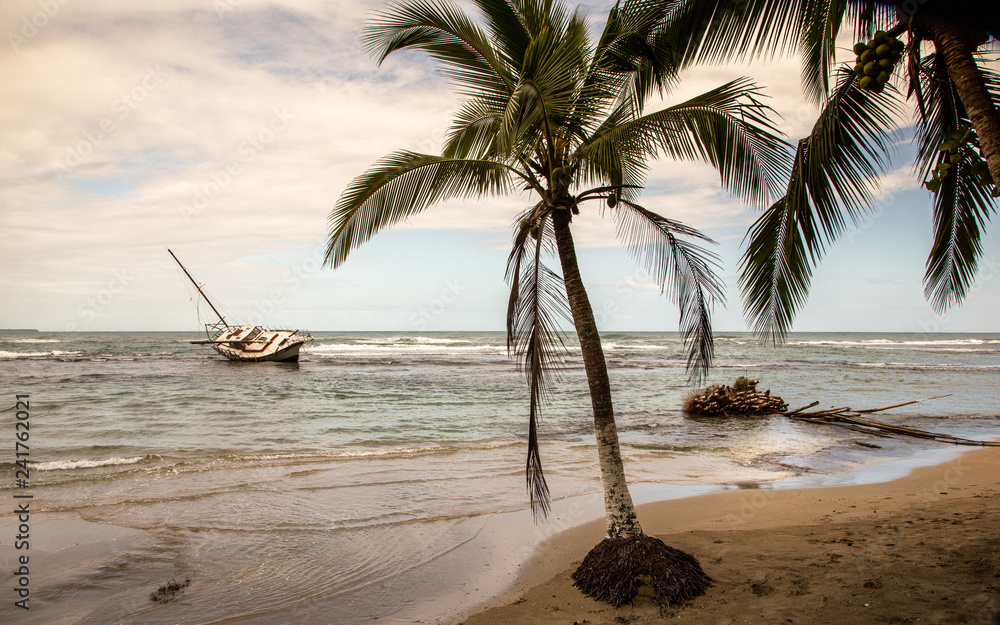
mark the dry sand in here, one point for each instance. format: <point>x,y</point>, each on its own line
<point>921,549</point>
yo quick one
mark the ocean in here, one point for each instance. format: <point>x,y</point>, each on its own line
<point>358,482</point>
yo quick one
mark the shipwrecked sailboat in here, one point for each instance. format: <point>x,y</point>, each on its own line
<point>248,343</point>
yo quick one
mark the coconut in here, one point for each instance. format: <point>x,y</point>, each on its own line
<point>886,65</point>
<point>859,48</point>
<point>868,56</point>
<point>882,77</point>
<point>883,50</point>
<point>871,69</point>
<point>867,82</point>
<point>612,201</point>
<point>881,35</point>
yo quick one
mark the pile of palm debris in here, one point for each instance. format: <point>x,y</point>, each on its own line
<point>742,398</point>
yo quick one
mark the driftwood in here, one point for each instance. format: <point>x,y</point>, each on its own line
<point>853,419</point>
<point>740,399</point>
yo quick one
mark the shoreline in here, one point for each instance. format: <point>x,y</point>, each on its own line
<point>870,552</point>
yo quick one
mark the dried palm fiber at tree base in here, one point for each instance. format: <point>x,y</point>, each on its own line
<point>616,568</point>
<point>742,398</point>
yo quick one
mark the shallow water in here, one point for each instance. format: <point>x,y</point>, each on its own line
<point>280,485</point>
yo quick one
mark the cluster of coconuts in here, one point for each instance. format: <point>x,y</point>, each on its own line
<point>954,150</point>
<point>876,60</point>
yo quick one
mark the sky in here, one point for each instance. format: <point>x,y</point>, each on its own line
<point>226,130</point>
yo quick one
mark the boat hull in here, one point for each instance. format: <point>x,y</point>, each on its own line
<point>256,344</point>
<point>289,353</point>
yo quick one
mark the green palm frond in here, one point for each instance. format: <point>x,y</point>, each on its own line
<point>939,116</point>
<point>715,31</point>
<point>403,184</point>
<point>818,47</point>
<point>537,304</point>
<point>726,127</point>
<point>537,15</point>
<point>684,271</point>
<point>507,31</point>
<point>634,53</point>
<point>869,16</point>
<point>962,208</point>
<point>447,34</point>
<point>962,202</point>
<point>834,179</point>
<point>474,130</point>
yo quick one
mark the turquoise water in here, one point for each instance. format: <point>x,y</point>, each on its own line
<point>380,451</point>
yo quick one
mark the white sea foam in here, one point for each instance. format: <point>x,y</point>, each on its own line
<point>885,342</point>
<point>56,352</point>
<point>4,354</point>
<point>34,341</point>
<point>64,465</point>
<point>335,349</point>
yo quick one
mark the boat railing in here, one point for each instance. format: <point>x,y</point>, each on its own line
<point>215,329</point>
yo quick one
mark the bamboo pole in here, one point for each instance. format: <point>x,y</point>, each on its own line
<point>798,410</point>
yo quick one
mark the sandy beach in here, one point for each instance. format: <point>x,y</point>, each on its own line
<point>920,549</point>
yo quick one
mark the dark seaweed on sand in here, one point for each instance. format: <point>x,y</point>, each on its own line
<point>169,591</point>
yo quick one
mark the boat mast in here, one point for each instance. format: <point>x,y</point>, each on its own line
<point>198,286</point>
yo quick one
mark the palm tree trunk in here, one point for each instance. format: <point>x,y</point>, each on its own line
<point>618,506</point>
<point>955,46</point>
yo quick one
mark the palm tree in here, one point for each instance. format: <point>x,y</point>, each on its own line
<point>548,112</point>
<point>837,167</point>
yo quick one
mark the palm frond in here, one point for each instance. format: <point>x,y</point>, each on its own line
<point>939,115</point>
<point>633,57</point>
<point>403,184</point>
<point>474,130</point>
<point>684,271</point>
<point>715,31</point>
<point>726,127</point>
<point>869,16</point>
<point>962,203</point>
<point>821,26</point>
<point>507,31</point>
<point>537,304</point>
<point>447,34</point>
<point>962,208</point>
<point>834,178</point>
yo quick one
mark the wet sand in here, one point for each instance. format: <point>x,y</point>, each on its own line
<point>920,549</point>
